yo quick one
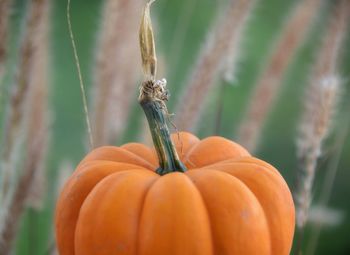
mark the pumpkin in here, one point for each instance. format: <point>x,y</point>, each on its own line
<point>228,202</point>
<point>184,197</point>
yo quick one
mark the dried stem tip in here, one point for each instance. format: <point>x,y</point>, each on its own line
<point>152,98</point>
<point>148,50</point>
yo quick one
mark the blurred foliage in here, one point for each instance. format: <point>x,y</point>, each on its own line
<point>278,145</point>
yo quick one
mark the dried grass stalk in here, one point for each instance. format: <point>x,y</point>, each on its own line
<point>38,121</point>
<point>80,76</point>
<point>321,99</point>
<point>210,62</point>
<point>17,105</point>
<point>115,73</point>
<point>266,90</point>
<point>329,179</point>
<point>233,52</point>
<point>19,198</point>
<point>5,9</point>
<point>320,103</point>
<point>27,121</point>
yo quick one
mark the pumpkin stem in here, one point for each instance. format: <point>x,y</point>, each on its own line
<point>152,98</point>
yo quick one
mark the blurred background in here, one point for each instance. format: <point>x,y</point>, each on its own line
<point>214,55</point>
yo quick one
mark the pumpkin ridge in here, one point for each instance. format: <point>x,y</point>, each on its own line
<point>216,148</point>
<point>120,174</point>
<point>76,184</point>
<point>141,211</point>
<point>125,147</point>
<point>271,170</point>
<point>206,210</point>
<point>87,168</point>
<point>181,141</point>
<point>97,154</point>
<point>153,169</point>
<point>258,200</point>
<point>261,163</point>
<point>262,208</point>
<point>266,172</point>
<point>238,162</point>
<point>96,162</point>
<point>173,215</point>
<point>77,220</point>
<point>245,189</point>
<point>138,157</point>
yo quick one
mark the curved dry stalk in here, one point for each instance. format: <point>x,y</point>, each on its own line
<point>268,84</point>
<point>320,103</point>
<point>81,83</point>
<point>210,62</point>
<point>115,73</point>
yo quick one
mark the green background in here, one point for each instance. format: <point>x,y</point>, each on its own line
<point>278,144</point>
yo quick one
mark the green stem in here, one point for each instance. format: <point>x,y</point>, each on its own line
<point>155,111</point>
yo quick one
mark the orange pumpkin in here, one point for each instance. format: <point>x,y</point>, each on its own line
<point>208,197</point>
<point>228,202</point>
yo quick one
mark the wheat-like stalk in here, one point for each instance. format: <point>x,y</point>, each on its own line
<point>321,99</point>
<point>19,198</point>
<point>16,109</point>
<point>234,51</point>
<point>210,62</point>
<point>15,117</point>
<point>115,73</point>
<point>5,7</point>
<point>268,84</point>
<point>320,103</point>
<point>329,179</point>
<point>328,183</point>
<point>26,110</point>
<point>38,112</point>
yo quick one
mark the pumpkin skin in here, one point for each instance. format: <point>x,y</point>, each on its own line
<point>227,203</point>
